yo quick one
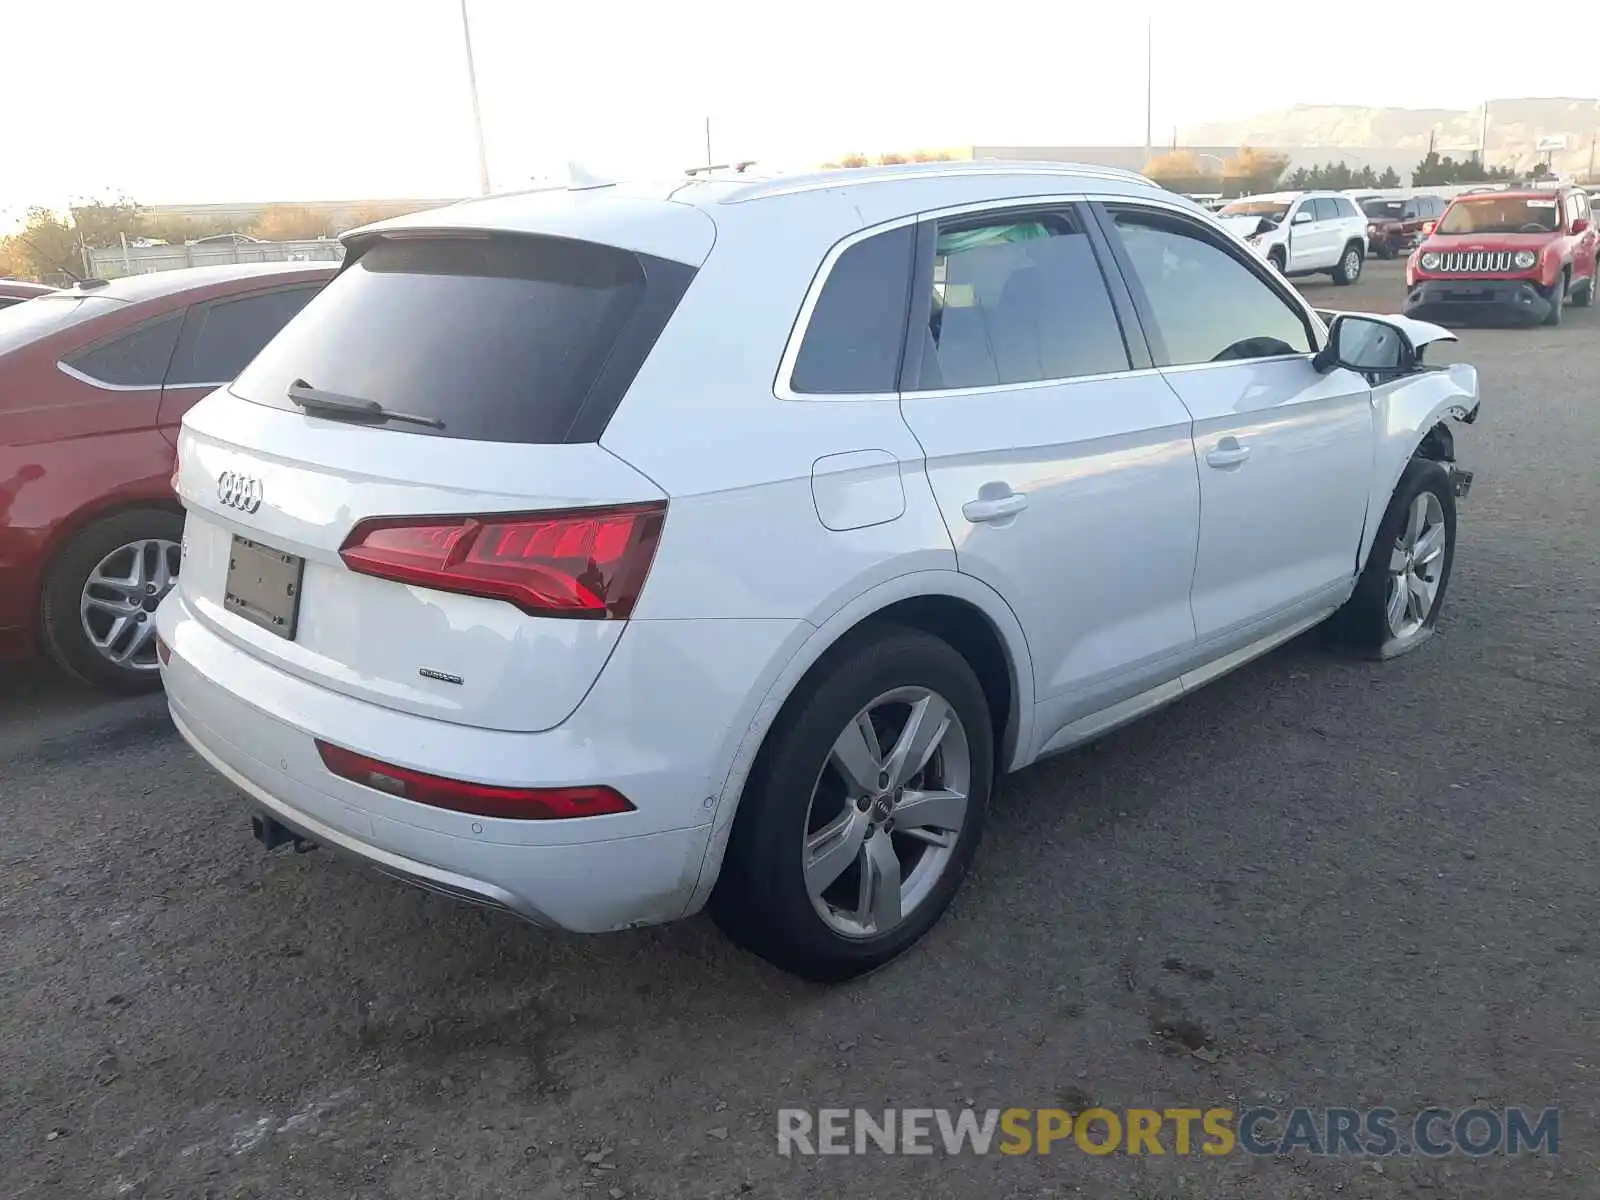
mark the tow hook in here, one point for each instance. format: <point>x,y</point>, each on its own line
<point>274,834</point>
<point>1460,480</point>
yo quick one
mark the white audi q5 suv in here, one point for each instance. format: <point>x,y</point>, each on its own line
<point>602,554</point>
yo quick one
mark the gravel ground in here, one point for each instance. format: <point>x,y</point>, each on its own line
<point>1361,884</point>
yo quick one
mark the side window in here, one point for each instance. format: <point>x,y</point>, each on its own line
<point>136,359</point>
<point>1325,208</point>
<point>1018,299</point>
<point>1207,304</point>
<point>1347,208</point>
<point>227,334</point>
<point>857,329</point>
<point>1413,210</point>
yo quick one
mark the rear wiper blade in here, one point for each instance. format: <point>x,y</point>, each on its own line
<point>332,404</point>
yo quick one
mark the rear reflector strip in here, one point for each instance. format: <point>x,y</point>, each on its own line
<point>480,799</point>
<point>587,563</point>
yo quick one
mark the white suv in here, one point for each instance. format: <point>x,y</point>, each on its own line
<point>600,554</point>
<point>1303,233</point>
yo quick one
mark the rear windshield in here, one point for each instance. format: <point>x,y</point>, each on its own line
<point>1385,208</point>
<point>33,319</point>
<point>1501,214</point>
<point>502,338</point>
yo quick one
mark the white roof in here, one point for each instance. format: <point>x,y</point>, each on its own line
<point>679,218</point>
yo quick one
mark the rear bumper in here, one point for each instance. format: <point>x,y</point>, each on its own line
<point>662,747</point>
<point>1519,301</point>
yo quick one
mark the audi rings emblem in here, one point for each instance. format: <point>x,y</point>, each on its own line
<point>239,491</point>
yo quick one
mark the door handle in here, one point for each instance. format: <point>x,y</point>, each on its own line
<point>1227,453</point>
<point>994,508</point>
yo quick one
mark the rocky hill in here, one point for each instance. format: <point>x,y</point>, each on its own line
<point>1515,128</point>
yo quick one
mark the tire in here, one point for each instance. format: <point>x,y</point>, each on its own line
<point>1584,297</point>
<point>1367,623</point>
<point>1278,259</point>
<point>798,805</point>
<point>1349,268</point>
<point>131,559</point>
<point>1558,298</point>
<point>1385,252</point>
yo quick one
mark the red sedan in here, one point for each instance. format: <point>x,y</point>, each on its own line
<point>94,380</point>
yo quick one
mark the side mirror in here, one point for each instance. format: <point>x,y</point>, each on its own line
<point>1367,344</point>
<point>1580,224</point>
<point>1303,217</point>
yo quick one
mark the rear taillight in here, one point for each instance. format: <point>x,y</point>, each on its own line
<point>589,562</point>
<point>480,799</point>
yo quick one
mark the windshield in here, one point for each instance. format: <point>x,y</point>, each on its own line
<point>31,320</point>
<point>1385,208</point>
<point>1501,214</point>
<point>1273,210</point>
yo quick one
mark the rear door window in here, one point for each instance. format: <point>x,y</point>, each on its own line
<point>1018,299</point>
<point>135,359</point>
<point>857,330</point>
<point>1325,209</point>
<point>499,338</point>
<point>222,337</point>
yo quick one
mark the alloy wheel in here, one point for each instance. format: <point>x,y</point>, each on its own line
<point>1416,566</point>
<point>119,601</point>
<point>885,812</point>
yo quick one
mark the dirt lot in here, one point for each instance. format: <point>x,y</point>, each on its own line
<point>1366,885</point>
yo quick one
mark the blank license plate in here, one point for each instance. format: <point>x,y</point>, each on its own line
<point>264,586</point>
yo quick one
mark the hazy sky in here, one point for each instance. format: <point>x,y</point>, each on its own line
<point>174,100</point>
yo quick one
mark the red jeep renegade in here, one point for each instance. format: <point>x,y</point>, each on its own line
<point>1518,255</point>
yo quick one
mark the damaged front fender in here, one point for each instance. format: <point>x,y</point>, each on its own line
<point>1412,415</point>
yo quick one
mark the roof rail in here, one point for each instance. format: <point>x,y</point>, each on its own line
<point>738,168</point>
<point>893,172</point>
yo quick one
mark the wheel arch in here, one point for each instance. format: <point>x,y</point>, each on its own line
<point>1438,444</point>
<point>964,612</point>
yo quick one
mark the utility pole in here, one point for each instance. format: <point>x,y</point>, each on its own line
<point>1149,80</point>
<point>1483,138</point>
<point>477,113</point>
<point>708,141</point>
<point>1589,178</point>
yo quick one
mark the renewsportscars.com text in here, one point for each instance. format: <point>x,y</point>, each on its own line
<point>1373,1133</point>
